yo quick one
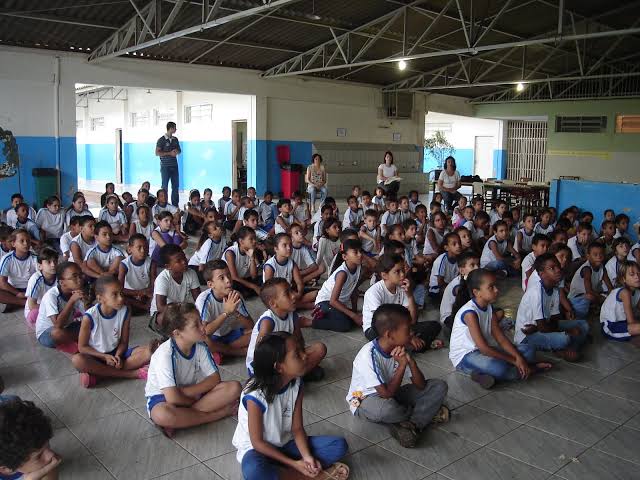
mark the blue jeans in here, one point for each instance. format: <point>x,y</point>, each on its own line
<point>559,340</point>
<point>448,198</point>
<point>498,369</point>
<point>501,265</point>
<point>171,173</point>
<point>581,306</point>
<point>326,449</point>
<point>315,192</point>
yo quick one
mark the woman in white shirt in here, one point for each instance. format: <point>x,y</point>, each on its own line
<point>386,171</point>
<point>449,183</point>
<point>316,178</point>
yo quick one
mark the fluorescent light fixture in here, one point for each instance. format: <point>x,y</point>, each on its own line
<point>520,87</point>
<point>402,65</point>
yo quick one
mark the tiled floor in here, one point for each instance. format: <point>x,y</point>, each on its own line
<point>579,421</point>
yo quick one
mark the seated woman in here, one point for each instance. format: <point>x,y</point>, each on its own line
<point>386,171</point>
<point>449,183</point>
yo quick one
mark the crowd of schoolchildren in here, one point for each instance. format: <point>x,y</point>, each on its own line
<point>80,278</point>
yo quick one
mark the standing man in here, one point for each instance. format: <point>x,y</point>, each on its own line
<point>168,149</point>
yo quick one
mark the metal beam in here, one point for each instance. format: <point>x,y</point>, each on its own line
<point>459,51</point>
<point>52,19</point>
<point>114,47</point>
<point>144,20</point>
<point>429,28</point>
<point>171,18</point>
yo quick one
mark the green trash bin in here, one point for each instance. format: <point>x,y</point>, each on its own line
<point>46,183</point>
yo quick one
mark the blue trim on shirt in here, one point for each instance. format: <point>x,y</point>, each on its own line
<point>246,398</point>
<point>465,312</point>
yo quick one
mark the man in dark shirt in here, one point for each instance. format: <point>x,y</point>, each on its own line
<point>168,149</point>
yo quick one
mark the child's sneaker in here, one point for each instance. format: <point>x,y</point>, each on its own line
<point>143,372</point>
<point>405,433</point>
<point>486,381</point>
<point>87,380</point>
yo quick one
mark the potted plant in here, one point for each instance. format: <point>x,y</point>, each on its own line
<point>439,148</point>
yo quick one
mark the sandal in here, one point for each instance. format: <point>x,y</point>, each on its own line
<point>337,471</point>
<point>443,415</point>
<point>437,344</point>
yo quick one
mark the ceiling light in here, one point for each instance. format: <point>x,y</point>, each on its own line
<point>402,65</point>
<point>520,87</point>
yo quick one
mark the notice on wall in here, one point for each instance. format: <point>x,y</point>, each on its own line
<point>341,132</point>
<point>581,153</point>
<point>396,136</point>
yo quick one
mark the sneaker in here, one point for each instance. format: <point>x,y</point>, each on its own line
<point>315,375</point>
<point>143,372</point>
<point>484,380</point>
<point>404,433</point>
<point>87,380</point>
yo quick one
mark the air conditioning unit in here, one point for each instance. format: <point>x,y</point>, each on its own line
<point>398,104</point>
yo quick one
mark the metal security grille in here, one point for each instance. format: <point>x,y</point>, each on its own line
<point>526,150</point>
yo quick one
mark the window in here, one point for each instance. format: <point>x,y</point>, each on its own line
<point>581,124</point>
<point>161,117</point>
<point>431,128</point>
<point>97,123</point>
<point>198,113</point>
<point>79,124</point>
<point>627,123</point>
<point>139,119</point>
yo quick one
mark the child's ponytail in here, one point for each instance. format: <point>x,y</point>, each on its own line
<point>465,290</point>
<point>351,244</point>
<point>270,351</point>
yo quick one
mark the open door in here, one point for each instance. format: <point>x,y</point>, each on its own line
<point>483,157</point>
<point>239,154</point>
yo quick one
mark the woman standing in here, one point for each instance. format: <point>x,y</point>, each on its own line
<point>449,183</point>
<point>316,178</point>
<point>386,171</point>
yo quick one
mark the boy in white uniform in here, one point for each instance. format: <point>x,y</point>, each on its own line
<point>16,269</point>
<point>445,267</point>
<point>40,283</point>
<point>103,258</point>
<point>539,246</point>
<point>387,385</point>
<point>586,284</point>
<point>137,274</point>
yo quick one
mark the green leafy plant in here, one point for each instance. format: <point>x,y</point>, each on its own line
<point>438,147</point>
<point>9,167</point>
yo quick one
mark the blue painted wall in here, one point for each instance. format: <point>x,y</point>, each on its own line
<point>463,156</point>
<point>596,197</point>
<point>500,164</point>
<point>39,152</point>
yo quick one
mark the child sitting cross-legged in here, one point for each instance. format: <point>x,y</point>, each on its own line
<point>445,267</point>
<point>40,283</point>
<point>84,241</point>
<point>184,388</point>
<point>176,284</point>
<point>270,437</point>
<point>478,345</point>
<point>539,246</point>
<point>226,319</point>
<point>211,246</point>
<point>467,263</point>
<point>137,274</point>
<point>165,234</point>
<point>104,258</point>
<point>280,317</point>
<point>380,390</point>
<point>301,254</point>
<point>103,342</point>
<point>586,284</point>
<point>281,265</point>
<point>498,255</point>
<point>617,318</point>
<point>115,217</point>
<point>621,247</point>
<point>16,269</point>
<point>25,453</point>
<point>538,320</point>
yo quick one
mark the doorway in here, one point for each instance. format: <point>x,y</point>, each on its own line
<point>239,154</point>
<point>118,155</point>
<point>483,157</point>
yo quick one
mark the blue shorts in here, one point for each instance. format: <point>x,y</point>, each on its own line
<point>127,353</point>
<point>45,337</point>
<point>616,330</point>
<point>230,337</point>
<point>154,400</point>
<point>370,254</point>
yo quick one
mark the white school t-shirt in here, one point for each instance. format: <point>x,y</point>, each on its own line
<point>633,248</point>
<point>115,221</point>
<point>146,231</point>
<point>428,249</point>
<point>302,256</point>
<point>388,219</point>
<point>378,294</point>
<point>210,250</point>
<point>169,367</point>
<point>228,210</point>
<point>11,217</point>
<point>106,331</point>
<point>372,367</point>
<point>52,303</point>
<point>487,254</point>
<point>537,303</point>
<point>175,292</point>
<point>449,298</point>
<point>577,250</point>
<point>277,417</point>
<point>287,220</point>
<point>577,282</point>
<point>545,230</point>
<point>65,243</point>
<point>444,267</point>
<point>612,267</point>
<point>84,248</point>
<point>211,307</point>
<point>36,288</point>
<point>527,263</point>
<point>137,276</point>
<point>52,224</point>
<point>324,295</point>
<point>157,209</point>
<point>242,261</point>
<point>461,341</point>
<point>526,244</point>
<point>279,270</point>
<point>265,212</point>
<point>18,270</point>
<point>352,219</point>
<point>612,309</point>
<point>104,258</point>
<point>367,245</point>
<point>287,324</point>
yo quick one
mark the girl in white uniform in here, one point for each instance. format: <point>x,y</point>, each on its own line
<point>621,246</point>
<point>617,318</point>
<point>275,408</point>
<point>50,220</point>
<point>103,342</point>
<point>116,218</point>
<point>211,246</point>
<point>184,388</point>
<point>104,257</point>
<point>137,274</point>
<point>282,266</point>
<point>331,312</point>
<point>435,236</point>
<point>143,225</point>
<point>78,208</point>
<point>242,262</point>
<point>478,346</point>
<point>83,242</point>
